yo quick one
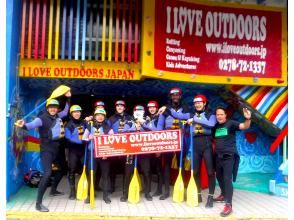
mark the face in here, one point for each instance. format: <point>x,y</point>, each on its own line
<point>199,106</point>
<point>52,109</point>
<point>120,108</point>
<point>221,116</point>
<point>152,110</point>
<point>99,118</point>
<point>176,97</point>
<point>76,114</point>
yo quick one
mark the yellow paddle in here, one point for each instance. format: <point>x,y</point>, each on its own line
<point>59,91</point>
<point>179,189</point>
<point>192,191</point>
<point>82,190</point>
<point>134,188</point>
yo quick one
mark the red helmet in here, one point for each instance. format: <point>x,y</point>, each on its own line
<point>138,108</point>
<point>200,98</point>
<point>99,103</point>
<point>120,102</point>
<point>175,90</point>
<point>152,104</point>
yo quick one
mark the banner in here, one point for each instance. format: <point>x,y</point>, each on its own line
<point>35,68</point>
<point>137,143</point>
<point>216,43</point>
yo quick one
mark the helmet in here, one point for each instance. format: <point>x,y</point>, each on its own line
<point>175,90</point>
<point>120,102</point>
<point>99,103</point>
<point>152,104</point>
<point>52,102</point>
<point>100,111</point>
<point>200,98</point>
<point>75,108</point>
<point>139,108</point>
<point>32,178</point>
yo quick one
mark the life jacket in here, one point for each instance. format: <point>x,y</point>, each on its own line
<point>56,131</point>
<point>118,122</point>
<point>200,129</point>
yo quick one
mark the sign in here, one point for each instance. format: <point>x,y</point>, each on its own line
<point>137,143</point>
<point>213,43</point>
<point>35,68</point>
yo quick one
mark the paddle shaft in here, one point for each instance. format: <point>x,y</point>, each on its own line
<point>182,148</point>
<point>191,146</point>
<point>34,110</point>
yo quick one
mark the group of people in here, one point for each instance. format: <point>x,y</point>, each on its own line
<point>221,161</point>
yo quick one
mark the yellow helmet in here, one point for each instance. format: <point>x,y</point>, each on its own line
<point>100,111</point>
<point>75,108</point>
<point>52,102</point>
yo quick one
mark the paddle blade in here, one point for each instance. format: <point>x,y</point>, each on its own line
<point>59,91</point>
<point>139,179</point>
<point>174,163</point>
<point>179,189</point>
<point>134,189</point>
<point>82,190</point>
<point>192,192</point>
<point>92,193</point>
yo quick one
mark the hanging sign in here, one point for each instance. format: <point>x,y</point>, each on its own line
<point>137,143</point>
<point>35,68</point>
<point>214,43</point>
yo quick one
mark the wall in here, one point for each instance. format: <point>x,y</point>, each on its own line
<point>14,148</point>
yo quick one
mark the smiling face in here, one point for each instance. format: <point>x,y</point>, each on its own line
<point>176,97</point>
<point>221,116</point>
<point>76,115</point>
<point>120,108</point>
<point>52,109</point>
<point>99,118</point>
<point>152,110</point>
<point>199,106</point>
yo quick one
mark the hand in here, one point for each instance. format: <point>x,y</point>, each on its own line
<point>89,118</point>
<point>20,123</point>
<point>138,126</point>
<point>157,155</point>
<point>189,121</point>
<point>247,113</point>
<point>104,158</point>
<point>161,110</point>
<point>68,94</point>
<point>91,137</point>
<point>148,118</point>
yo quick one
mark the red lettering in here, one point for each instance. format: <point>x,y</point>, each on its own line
<point>56,72</point>
<point>101,72</point>
<point>89,73</point>
<point>95,73</point>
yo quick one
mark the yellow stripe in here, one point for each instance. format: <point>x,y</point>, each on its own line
<point>32,147</point>
<point>103,31</point>
<point>110,31</point>
<point>256,93</point>
<point>272,108</point>
<point>50,30</point>
<point>57,29</point>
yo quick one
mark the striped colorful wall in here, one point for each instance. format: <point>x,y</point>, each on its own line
<point>106,30</point>
<point>271,102</point>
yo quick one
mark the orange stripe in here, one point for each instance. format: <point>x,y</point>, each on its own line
<point>278,109</point>
<point>23,28</point>
<point>30,29</point>
<point>260,96</point>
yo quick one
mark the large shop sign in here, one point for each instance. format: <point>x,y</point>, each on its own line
<point>78,69</point>
<point>137,143</point>
<point>214,43</point>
